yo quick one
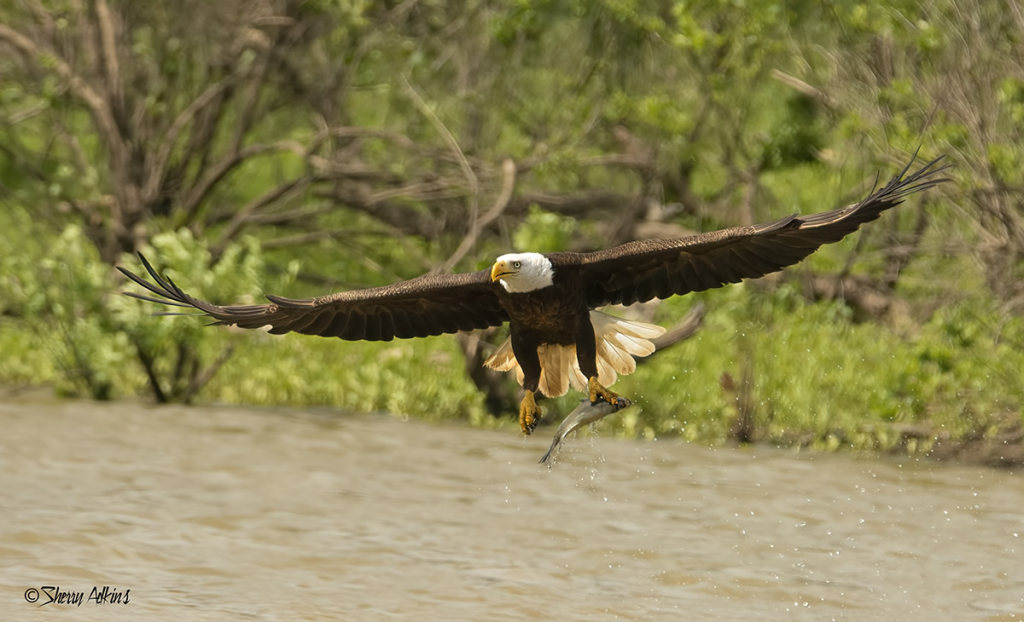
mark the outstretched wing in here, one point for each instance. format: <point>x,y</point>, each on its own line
<point>428,305</point>
<point>646,269</point>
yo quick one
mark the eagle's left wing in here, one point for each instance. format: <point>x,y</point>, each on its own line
<point>646,269</point>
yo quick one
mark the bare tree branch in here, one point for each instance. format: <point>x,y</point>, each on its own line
<point>453,144</point>
<point>359,132</point>
<point>467,170</point>
<point>402,218</point>
<point>682,330</point>
<point>576,204</point>
<point>149,366</point>
<point>215,173</point>
<point>42,16</point>
<point>292,217</point>
<point>244,215</point>
<point>158,167</point>
<point>108,43</point>
<point>251,97</point>
<point>201,379</point>
<point>304,238</point>
<point>97,106</point>
<point>423,190</point>
<point>803,88</point>
<point>25,115</point>
<point>468,242</point>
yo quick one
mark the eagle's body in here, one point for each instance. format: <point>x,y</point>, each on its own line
<point>550,313</point>
<point>556,336</point>
<point>556,339</point>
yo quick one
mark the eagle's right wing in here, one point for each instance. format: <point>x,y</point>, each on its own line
<point>424,306</point>
<point>645,269</point>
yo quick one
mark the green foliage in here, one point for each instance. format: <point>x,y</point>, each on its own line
<point>798,137</point>
<point>819,378</point>
<point>62,323</point>
<point>58,299</point>
<point>421,378</point>
<point>544,232</point>
<point>27,347</point>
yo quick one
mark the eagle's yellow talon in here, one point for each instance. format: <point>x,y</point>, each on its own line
<point>529,414</point>
<point>598,392</point>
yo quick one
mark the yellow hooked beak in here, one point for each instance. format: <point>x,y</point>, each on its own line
<point>499,270</point>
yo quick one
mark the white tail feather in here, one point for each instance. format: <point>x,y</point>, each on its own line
<point>618,342</point>
<point>504,359</point>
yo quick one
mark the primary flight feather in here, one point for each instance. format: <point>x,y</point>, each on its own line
<point>556,336</point>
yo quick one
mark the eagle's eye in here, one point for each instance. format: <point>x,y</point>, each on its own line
<point>517,264</point>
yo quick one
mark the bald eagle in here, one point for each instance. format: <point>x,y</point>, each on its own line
<point>557,338</point>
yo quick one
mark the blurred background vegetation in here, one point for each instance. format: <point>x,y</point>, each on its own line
<point>303,147</point>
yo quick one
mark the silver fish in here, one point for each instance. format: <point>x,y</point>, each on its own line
<point>584,414</point>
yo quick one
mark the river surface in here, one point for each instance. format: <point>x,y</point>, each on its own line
<point>225,513</point>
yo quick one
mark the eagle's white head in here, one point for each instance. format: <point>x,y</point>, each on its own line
<point>523,272</point>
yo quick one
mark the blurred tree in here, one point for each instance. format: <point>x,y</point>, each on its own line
<point>949,75</point>
<point>376,141</point>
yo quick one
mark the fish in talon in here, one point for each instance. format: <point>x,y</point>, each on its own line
<point>584,414</point>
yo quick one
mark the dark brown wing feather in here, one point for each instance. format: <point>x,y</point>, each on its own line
<point>646,269</point>
<point>425,306</point>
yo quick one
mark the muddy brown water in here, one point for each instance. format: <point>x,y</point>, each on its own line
<point>218,513</point>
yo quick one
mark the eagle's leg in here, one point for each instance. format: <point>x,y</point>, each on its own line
<point>586,356</point>
<point>598,392</point>
<point>529,361</point>
<point>529,415</point>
